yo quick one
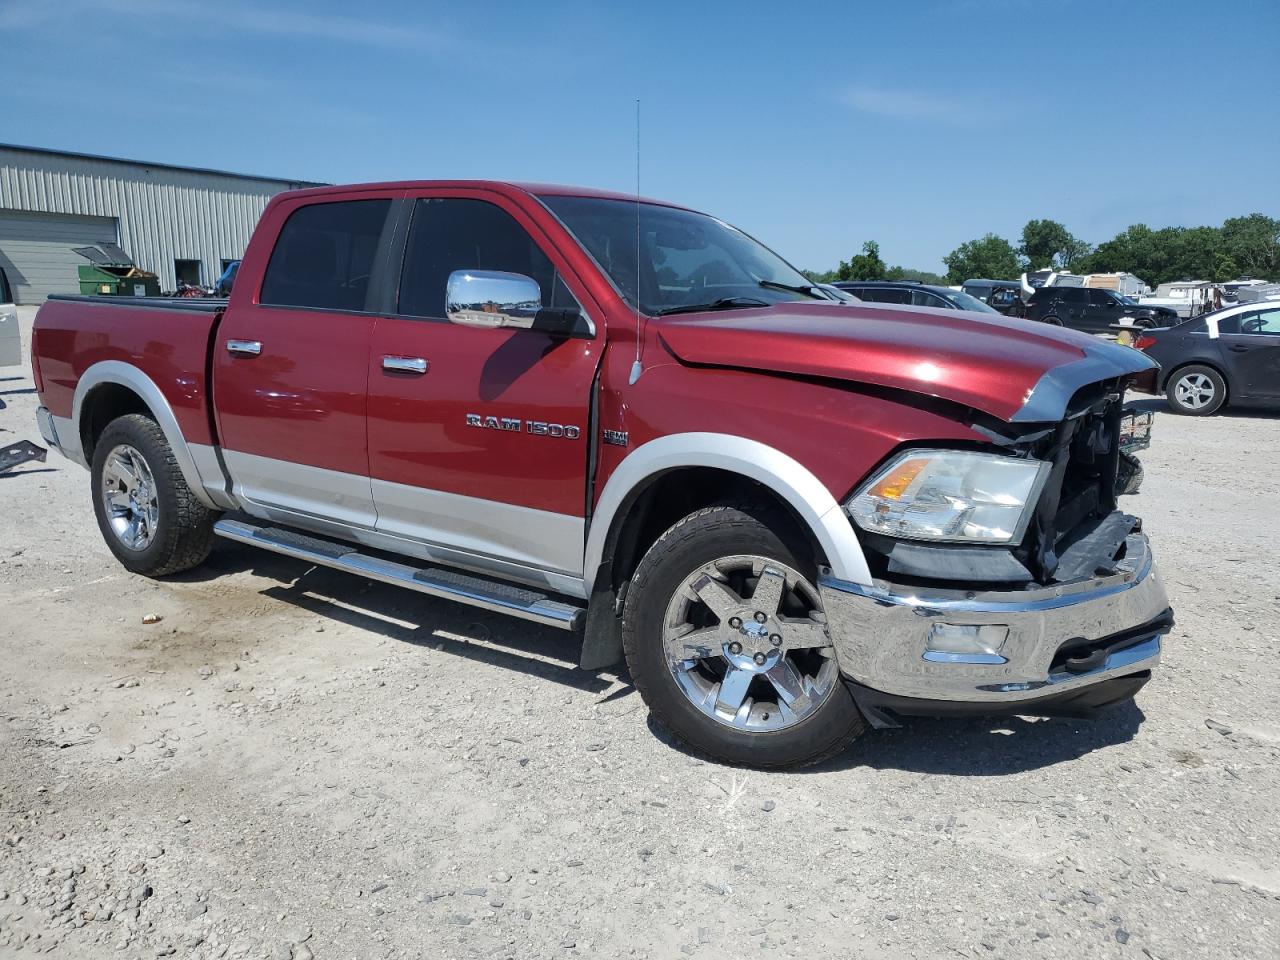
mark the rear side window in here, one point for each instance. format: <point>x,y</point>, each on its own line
<point>325,256</point>
<point>886,295</point>
<point>1099,298</point>
<point>460,234</point>
<point>1072,294</point>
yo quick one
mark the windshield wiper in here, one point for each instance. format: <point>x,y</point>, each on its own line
<point>807,289</point>
<point>724,303</point>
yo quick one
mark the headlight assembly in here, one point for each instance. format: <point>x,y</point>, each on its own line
<point>950,496</point>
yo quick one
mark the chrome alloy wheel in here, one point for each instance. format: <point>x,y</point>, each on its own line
<point>130,498</point>
<point>746,641</point>
<point>1195,391</point>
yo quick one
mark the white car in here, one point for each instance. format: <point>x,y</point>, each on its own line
<point>10,342</point>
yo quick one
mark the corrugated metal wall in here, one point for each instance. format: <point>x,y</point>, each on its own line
<point>164,213</point>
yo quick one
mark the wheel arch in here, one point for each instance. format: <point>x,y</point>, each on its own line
<point>747,466</point>
<point>112,388</point>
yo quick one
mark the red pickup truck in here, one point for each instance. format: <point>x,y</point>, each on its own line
<point>794,517</point>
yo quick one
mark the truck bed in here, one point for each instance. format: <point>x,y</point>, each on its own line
<point>166,338</point>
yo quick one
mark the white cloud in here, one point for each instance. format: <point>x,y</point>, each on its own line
<point>173,16</point>
<point>901,103</point>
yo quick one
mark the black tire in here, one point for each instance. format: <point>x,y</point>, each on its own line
<point>1146,323</point>
<point>709,534</point>
<point>1177,397</point>
<point>1052,321</point>
<point>183,534</point>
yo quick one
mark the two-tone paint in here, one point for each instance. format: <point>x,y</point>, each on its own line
<point>313,427</point>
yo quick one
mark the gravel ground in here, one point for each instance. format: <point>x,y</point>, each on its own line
<point>292,762</point>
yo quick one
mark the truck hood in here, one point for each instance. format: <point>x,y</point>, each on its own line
<point>1012,369</point>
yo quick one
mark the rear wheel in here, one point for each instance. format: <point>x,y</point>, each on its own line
<point>148,515</point>
<point>726,641</point>
<point>1197,391</point>
<point>1053,321</point>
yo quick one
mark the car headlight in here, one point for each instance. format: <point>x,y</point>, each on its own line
<point>955,496</point>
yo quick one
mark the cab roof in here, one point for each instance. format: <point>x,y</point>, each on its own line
<point>507,187</point>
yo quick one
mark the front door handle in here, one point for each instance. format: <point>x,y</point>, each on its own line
<point>244,348</point>
<point>1237,348</point>
<point>416,365</point>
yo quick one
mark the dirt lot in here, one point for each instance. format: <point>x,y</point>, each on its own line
<point>297,763</point>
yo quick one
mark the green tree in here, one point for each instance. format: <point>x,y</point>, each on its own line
<point>1047,243</point>
<point>989,257</point>
<point>907,273</point>
<point>1253,244</point>
<point>1171,253</point>
<point>866,265</point>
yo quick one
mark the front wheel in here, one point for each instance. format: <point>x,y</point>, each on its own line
<point>148,515</point>
<point>727,643</point>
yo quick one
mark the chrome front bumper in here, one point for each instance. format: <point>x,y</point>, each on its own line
<point>881,634</point>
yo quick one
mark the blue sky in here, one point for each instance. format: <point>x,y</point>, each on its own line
<point>917,123</point>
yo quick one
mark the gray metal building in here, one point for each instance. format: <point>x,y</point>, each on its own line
<point>174,221</point>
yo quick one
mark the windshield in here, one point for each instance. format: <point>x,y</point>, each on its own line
<point>965,302</point>
<point>687,259</point>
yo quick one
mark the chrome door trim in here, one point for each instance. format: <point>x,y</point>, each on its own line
<point>417,365</point>
<point>244,348</point>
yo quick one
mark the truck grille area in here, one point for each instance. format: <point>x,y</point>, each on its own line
<point>1076,528</point>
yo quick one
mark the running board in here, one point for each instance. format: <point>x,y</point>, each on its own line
<point>439,582</point>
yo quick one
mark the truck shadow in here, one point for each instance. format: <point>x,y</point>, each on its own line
<point>412,618</point>
<point>966,747</point>
<point>993,746</point>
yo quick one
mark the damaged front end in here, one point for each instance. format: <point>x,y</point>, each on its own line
<point>1076,529</point>
<point>1064,617</point>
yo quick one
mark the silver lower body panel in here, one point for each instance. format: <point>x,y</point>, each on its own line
<point>881,634</point>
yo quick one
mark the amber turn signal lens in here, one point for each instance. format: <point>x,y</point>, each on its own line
<point>894,484</point>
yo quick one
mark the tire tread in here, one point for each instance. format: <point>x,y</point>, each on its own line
<point>187,529</point>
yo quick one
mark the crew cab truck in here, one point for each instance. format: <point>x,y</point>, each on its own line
<point>793,517</point>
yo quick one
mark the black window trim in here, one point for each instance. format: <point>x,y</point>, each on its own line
<point>399,251</point>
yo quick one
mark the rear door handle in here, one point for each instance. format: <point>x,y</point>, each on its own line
<point>244,348</point>
<point>416,365</point>
<point>1236,348</point>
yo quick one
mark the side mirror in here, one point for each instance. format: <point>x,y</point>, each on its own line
<point>492,298</point>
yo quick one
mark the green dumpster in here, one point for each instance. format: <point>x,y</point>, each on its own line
<point>111,273</point>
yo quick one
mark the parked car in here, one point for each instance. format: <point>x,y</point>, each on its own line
<point>10,338</point>
<point>843,296</point>
<point>914,294</point>
<point>1092,310</point>
<point>793,518</point>
<point>1002,296</point>
<point>1231,356</point>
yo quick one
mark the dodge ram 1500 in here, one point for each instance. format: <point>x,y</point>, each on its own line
<point>793,517</point>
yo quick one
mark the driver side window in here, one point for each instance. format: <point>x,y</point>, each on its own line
<point>451,234</point>
<point>325,256</point>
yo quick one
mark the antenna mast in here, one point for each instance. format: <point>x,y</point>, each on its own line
<point>636,366</point>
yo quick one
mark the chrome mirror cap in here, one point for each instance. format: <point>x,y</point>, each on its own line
<point>492,298</point>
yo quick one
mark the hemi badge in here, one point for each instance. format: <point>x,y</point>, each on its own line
<point>618,438</point>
